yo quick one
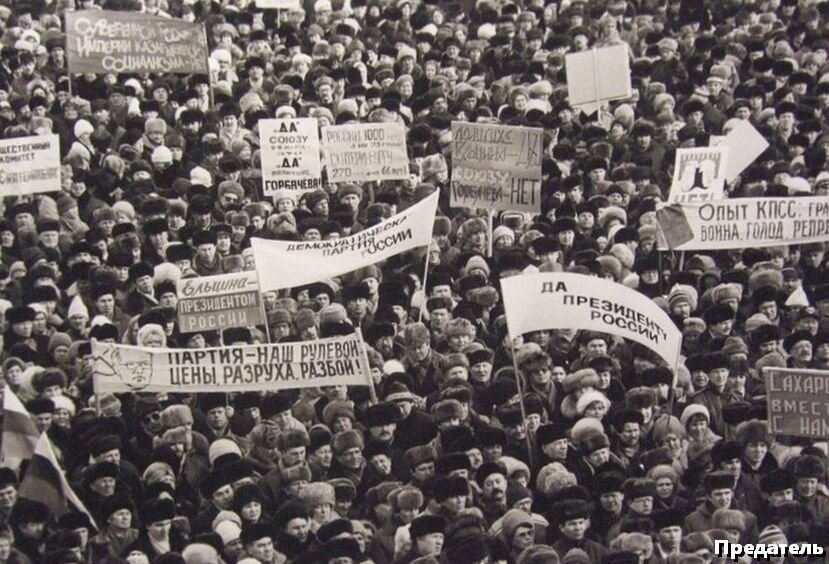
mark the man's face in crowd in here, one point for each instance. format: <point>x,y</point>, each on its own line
<point>721,498</point>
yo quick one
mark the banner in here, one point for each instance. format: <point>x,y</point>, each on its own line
<point>208,303</point>
<point>552,300</point>
<point>269,367</point>
<point>361,152</point>
<point>29,165</point>
<point>102,41</point>
<point>290,155</point>
<point>744,144</point>
<point>737,222</point>
<point>301,263</point>
<point>598,75</point>
<point>496,167</point>
<point>798,402</point>
<point>699,175</point>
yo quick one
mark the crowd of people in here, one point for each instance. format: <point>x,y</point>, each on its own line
<point>558,446</point>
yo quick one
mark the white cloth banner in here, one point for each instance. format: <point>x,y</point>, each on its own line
<point>283,366</point>
<point>289,264</point>
<point>553,300</point>
<point>735,223</point>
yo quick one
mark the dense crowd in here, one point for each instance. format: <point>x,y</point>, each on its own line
<point>559,446</point>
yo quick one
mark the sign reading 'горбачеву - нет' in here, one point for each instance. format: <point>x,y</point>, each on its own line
<point>496,167</point>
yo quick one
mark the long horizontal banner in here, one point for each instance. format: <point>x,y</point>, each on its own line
<point>496,167</point>
<point>103,41</point>
<point>283,366</point>
<point>290,264</point>
<point>29,165</point>
<point>219,302</point>
<point>798,401</point>
<point>737,222</point>
<point>552,300</point>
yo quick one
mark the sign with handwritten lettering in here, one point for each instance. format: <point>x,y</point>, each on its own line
<point>798,401</point>
<point>104,41</point>
<point>29,165</point>
<point>362,152</point>
<point>496,167</point>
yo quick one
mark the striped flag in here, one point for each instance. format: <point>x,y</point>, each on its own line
<point>45,482</point>
<point>20,434</point>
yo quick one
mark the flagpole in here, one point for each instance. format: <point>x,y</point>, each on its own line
<point>425,278</point>
<point>490,243</point>
<point>371,390</point>
<point>518,383</point>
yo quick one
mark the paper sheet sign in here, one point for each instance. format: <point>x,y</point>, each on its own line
<point>29,165</point>
<point>598,75</point>
<point>798,402</point>
<point>208,303</point>
<point>745,144</point>
<point>496,167</point>
<point>362,152</point>
<point>290,155</point>
<point>699,175</point>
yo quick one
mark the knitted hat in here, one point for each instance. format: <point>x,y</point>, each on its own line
<point>772,535</point>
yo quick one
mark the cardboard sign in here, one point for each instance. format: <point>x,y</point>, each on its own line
<point>736,222</point>
<point>103,41</point>
<point>362,152</point>
<point>745,144</point>
<point>290,155</point>
<point>552,300</point>
<point>699,175</point>
<point>29,165</point>
<point>284,366</point>
<point>798,402</point>
<point>290,264</point>
<point>208,303</point>
<point>496,167</point>
<point>598,75</point>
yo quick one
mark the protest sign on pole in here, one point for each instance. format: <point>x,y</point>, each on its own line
<point>496,167</point>
<point>29,165</point>
<point>598,75</point>
<point>289,264</point>
<point>362,152</point>
<point>554,300</point>
<point>699,175</point>
<point>798,401</point>
<point>208,303</point>
<point>290,155</point>
<point>736,222</point>
<point>744,144</point>
<point>104,41</point>
<point>283,366</point>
